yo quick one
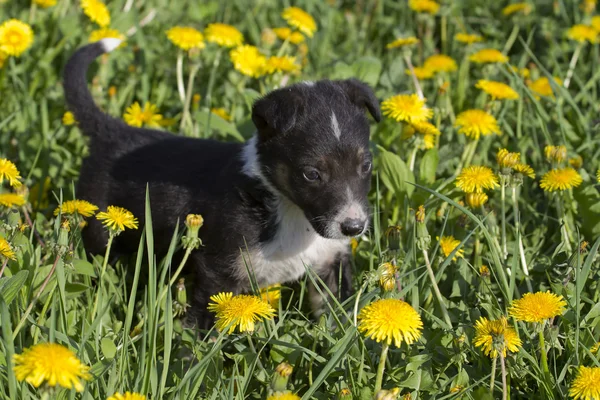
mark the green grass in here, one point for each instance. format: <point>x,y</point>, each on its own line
<point>136,341</point>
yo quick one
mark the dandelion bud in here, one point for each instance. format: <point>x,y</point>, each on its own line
<point>353,246</point>
<point>180,305</point>
<point>193,222</point>
<point>344,394</point>
<point>394,237</point>
<point>484,271</point>
<point>423,237</point>
<point>555,154</point>
<point>387,276</point>
<point>63,235</point>
<point>387,394</point>
<point>583,247</point>
<point>506,160</point>
<point>281,376</point>
<point>68,118</point>
<point>476,200</point>
<point>112,91</point>
<point>576,162</point>
<point>268,37</point>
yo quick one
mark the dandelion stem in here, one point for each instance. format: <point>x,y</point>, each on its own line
<point>572,65</point>
<point>180,84</point>
<point>101,277</point>
<point>381,366</point>
<point>251,344</point>
<point>211,84</point>
<point>436,290</point>
<point>520,240</point>
<point>503,205</point>
<point>564,225</point>
<point>511,39</point>
<point>493,375</point>
<point>163,292</point>
<point>504,386</point>
<point>413,76</point>
<point>188,98</point>
<point>36,297</point>
<point>543,355</point>
<point>362,288</point>
<point>413,158</point>
<point>3,266</point>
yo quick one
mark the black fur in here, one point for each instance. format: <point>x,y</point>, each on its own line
<point>207,177</point>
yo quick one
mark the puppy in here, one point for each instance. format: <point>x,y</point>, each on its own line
<point>290,197</point>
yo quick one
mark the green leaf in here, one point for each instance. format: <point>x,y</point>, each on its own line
<point>83,267</point>
<point>394,173</point>
<point>108,348</point>
<point>428,167</point>
<point>74,289</point>
<point>9,287</point>
<point>224,128</point>
<point>367,69</point>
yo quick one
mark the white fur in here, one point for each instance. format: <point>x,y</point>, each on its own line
<point>352,210</point>
<point>335,127</point>
<point>109,44</point>
<point>295,245</point>
<point>308,83</point>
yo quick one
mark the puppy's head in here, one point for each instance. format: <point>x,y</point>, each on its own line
<point>313,148</point>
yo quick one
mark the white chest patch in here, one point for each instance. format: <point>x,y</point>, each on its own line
<point>295,245</point>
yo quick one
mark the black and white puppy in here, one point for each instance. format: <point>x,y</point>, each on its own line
<point>290,197</point>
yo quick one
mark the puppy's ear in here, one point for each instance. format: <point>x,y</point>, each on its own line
<point>276,113</point>
<point>362,95</point>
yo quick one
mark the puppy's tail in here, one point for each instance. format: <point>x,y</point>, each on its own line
<point>92,121</point>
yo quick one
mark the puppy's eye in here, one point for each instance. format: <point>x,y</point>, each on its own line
<point>311,175</point>
<point>366,167</point>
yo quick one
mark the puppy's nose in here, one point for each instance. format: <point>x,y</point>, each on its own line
<point>352,227</point>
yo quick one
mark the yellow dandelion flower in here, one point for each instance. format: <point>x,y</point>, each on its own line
<point>440,63</point>
<point>271,295</point>
<point>424,6</point>
<point>127,396</point>
<point>497,90</point>
<point>80,207</point>
<point>598,175</point>
<point>456,389</point>
<point>52,364</point>
<point>421,73</point>
<point>582,33</point>
<point>390,320</point>
<point>555,153</point>
<point>560,179</point>
<point>516,8</point>
<point>248,60</point>
<point>9,171</point>
<point>45,3</point>
<point>68,118</point>
<point>6,250</point>
<point>221,112</point>
<point>488,56</point>
<point>576,162</point>
<point>543,87</point>
<point>476,200</point>
<point>506,159</point>
<point>537,307</point>
<point>117,219</point>
<point>495,337</point>
<point>402,42</point>
<point>10,200</point>
<point>286,33</point>
<point>15,37</point>
<point>138,117</point>
<point>524,72</point>
<point>96,11</point>
<point>223,35</point>
<point>586,385</point>
<point>524,170</point>
<point>484,271</point>
<point>276,64</point>
<point>475,178</point>
<point>448,244</point>
<point>596,23</point>
<point>300,19</point>
<point>241,311</point>
<point>468,38</point>
<point>186,38</point>
<point>406,107</point>
<point>283,396</point>
<point>474,123</point>
<point>426,128</point>
<point>104,33</point>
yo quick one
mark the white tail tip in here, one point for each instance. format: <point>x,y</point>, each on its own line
<point>109,44</point>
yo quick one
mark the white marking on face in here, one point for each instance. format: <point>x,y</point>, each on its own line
<point>335,126</point>
<point>295,246</point>
<point>109,44</point>
<point>308,83</point>
<point>351,210</point>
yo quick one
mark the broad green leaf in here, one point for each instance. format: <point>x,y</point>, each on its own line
<point>395,174</point>
<point>429,164</point>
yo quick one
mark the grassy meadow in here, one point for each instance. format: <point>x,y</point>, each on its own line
<point>478,278</point>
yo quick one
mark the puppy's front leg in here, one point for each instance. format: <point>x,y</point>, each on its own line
<point>338,278</point>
